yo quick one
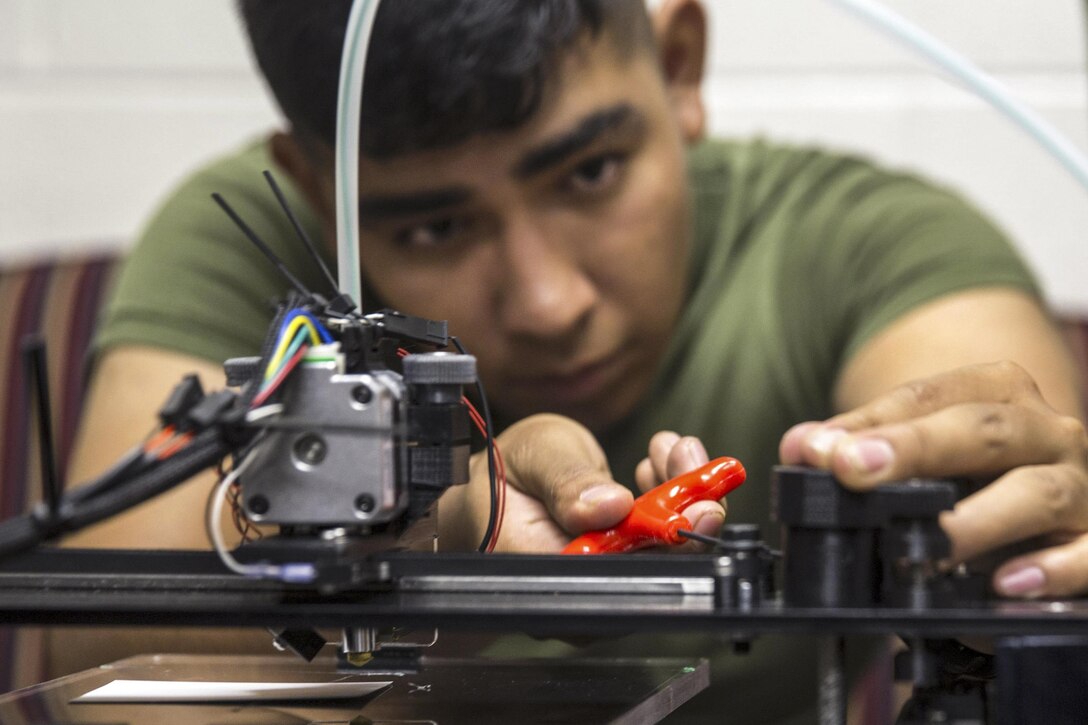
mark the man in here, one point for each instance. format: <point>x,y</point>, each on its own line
<point>524,176</point>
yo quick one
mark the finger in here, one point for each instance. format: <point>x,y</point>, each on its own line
<point>791,447</point>
<point>976,439</point>
<point>558,462</point>
<point>585,500</point>
<point>1001,382</point>
<point>1060,571</point>
<point>661,444</point>
<point>645,478</point>
<point>531,535</point>
<point>1023,503</point>
<point>687,455</point>
<point>706,517</point>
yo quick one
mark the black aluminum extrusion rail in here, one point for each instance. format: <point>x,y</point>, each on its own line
<point>540,594</point>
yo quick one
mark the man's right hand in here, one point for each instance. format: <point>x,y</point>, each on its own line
<point>557,485</point>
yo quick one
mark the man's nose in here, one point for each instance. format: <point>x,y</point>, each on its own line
<point>546,292</point>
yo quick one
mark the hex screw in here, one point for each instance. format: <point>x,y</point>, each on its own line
<point>258,504</point>
<point>311,449</point>
<point>364,502</point>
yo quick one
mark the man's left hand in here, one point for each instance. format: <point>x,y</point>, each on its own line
<point>986,422</point>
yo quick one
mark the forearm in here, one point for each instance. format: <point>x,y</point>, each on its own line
<point>129,386</point>
<point>977,326</point>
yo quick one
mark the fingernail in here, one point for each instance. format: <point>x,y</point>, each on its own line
<point>597,494</point>
<point>791,447</point>
<point>696,454</point>
<point>869,455</point>
<point>1027,580</point>
<point>823,442</point>
<point>709,524</point>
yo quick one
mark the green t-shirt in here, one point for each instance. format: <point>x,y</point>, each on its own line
<point>799,257</point>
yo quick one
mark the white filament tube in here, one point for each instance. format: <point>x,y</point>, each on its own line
<point>349,105</point>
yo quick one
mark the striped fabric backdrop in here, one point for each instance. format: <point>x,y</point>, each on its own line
<point>59,300</point>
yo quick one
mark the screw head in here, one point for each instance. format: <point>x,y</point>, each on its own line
<point>362,394</point>
<point>258,504</point>
<point>740,532</point>
<point>311,449</point>
<point>364,502</point>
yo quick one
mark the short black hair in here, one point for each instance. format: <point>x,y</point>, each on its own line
<point>437,71</point>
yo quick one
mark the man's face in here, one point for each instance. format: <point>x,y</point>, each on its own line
<point>557,251</point>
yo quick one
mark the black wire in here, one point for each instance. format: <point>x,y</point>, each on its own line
<point>118,473</point>
<point>261,245</point>
<point>203,451</point>
<point>493,517</point>
<point>112,493</point>
<point>300,231</point>
<point>18,535</point>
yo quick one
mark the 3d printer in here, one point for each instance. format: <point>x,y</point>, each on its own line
<point>343,451</point>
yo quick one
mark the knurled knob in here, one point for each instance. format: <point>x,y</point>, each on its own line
<point>439,368</point>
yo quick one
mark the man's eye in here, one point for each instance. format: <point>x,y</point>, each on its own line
<point>597,174</point>
<point>429,234</point>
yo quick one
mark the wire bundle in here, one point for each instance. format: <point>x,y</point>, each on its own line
<point>149,469</point>
<point>299,331</point>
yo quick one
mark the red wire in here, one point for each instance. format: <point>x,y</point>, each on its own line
<point>500,493</point>
<point>174,446</point>
<point>500,478</point>
<point>159,438</point>
<point>280,376</point>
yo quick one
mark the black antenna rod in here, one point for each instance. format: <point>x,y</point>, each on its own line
<point>300,231</point>
<point>260,244</point>
<point>37,380</point>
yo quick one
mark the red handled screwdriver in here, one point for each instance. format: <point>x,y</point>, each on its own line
<point>655,519</point>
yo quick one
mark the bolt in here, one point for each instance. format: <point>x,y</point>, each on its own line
<point>311,449</point>
<point>361,394</point>
<point>364,502</point>
<point>258,504</point>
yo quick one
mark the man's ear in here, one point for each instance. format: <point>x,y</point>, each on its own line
<point>311,179</point>
<point>680,29</point>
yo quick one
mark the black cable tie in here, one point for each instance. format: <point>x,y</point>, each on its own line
<point>261,245</point>
<point>306,241</point>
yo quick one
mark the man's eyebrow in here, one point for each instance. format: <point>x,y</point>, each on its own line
<point>382,206</point>
<point>555,150</point>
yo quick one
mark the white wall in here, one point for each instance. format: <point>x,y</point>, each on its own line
<point>103,103</point>
<point>806,71</point>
